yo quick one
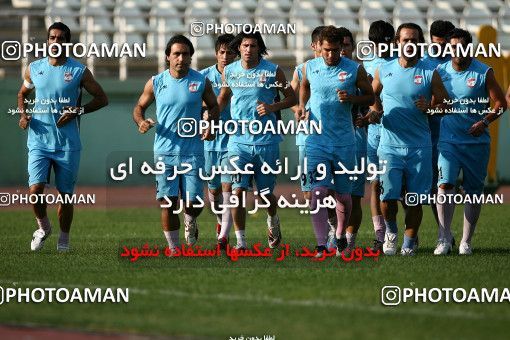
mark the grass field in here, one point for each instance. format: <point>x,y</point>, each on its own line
<point>221,299</point>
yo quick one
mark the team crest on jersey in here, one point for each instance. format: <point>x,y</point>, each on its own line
<point>342,76</point>
<point>262,78</point>
<point>471,82</point>
<point>418,79</point>
<point>193,86</point>
<point>68,77</point>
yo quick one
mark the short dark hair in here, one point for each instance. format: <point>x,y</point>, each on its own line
<point>179,39</point>
<point>224,39</point>
<point>381,31</point>
<point>62,27</point>
<point>413,26</point>
<point>458,33</point>
<point>316,33</point>
<point>440,28</point>
<point>234,45</point>
<point>347,33</point>
<point>332,34</point>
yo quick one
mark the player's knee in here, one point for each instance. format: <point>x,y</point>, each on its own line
<point>215,192</point>
<point>238,192</point>
<point>307,195</point>
<point>318,195</point>
<point>36,189</point>
<point>446,186</point>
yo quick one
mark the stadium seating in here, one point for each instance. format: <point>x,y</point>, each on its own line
<point>153,21</point>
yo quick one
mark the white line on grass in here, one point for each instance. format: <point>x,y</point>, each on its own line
<point>379,309</point>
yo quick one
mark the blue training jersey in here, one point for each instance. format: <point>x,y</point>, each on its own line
<point>435,120</point>
<point>468,85</point>
<point>178,99</point>
<point>249,86</point>
<point>220,141</point>
<point>336,117</point>
<point>403,124</point>
<point>55,87</point>
<point>374,130</point>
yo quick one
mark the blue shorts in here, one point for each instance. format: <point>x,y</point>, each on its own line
<point>306,184</point>
<point>374,136</point>
<point>330,156</point>
<point>411,167</point>
<point>216,159</point>
<point>358,185</point>
<point>256,155</point>
<point>65,165</point>
<point>471,158</point>
<point>189,182</point>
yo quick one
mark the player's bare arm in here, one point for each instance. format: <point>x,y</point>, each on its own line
<point>288,100</point>
<point>508,97</point>
<point>145,100</point>
<point>99,100</point>
<point>225,94</point>
<point>375,112</point>
<point>304,95</point>
<point>367,94</point>
<point>500,104</point>
<point>294,84</point>
<point>439,96</point>
<point>26,88</point>
<point>209,98</point>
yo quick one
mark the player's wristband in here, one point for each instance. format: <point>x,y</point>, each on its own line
<point>28,85</point>
<point>81,111</point>
<point>485,122</point>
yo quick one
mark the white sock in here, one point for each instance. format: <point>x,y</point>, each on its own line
<point>63,238</point>
<point>172,238</point>
<point>351,239</point>
<point>445,214</point>
<point>332,222</point>
<point>43,223</point>
<point>241,239</point>
<point>226,218</point>
<point>272,221</point>
<point>189,219</point>
<point>215,201</point>
<point>471,214</point>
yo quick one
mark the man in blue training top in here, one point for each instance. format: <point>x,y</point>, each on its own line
<point>251,85</point>
<point>438,32</point>
<point>406,86</point>
<point>380,32</point>
<point>216,152</point>
<point>330,84</point>
<point>53,128</point>
<point>179,93</point>
<point>464,141</point>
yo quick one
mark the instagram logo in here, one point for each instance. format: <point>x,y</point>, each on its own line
<point>365,50</point>
<point>197,29</point>
<point>5,199</point>
<point>411,199</point>
<point>390,295</point>
<point>11,50</point>
<point>187,127</point>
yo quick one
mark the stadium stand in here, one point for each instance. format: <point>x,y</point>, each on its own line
<point>153,22</point>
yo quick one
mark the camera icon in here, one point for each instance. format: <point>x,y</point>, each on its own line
<point>365,50</point>
<point>390,295</point>
<point>5,199</point>
<point>187,127</point>
<point>197,29</point>
<point>411,199</point>
<point>11,50</point>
